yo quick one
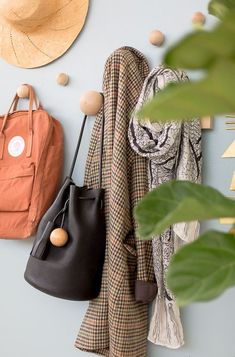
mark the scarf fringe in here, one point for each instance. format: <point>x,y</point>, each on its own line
<point>165,326</point>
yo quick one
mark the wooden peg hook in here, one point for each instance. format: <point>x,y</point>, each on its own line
<point>198,18</point>
<point>156,38</point>
<point>62,79</point>
<point>91,102</point>
<point>23,91</point>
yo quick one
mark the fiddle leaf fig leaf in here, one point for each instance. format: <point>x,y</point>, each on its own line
<point>212,95</point>
<point>201,49</point>
<point>180,201</point>
<point>204,269</point>
<point>220,8</point>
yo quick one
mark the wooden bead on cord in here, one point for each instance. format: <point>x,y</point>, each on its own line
<point>62,79</point>
<point>91,102</point>
<point>59,237</point>
<point>198,18</point>
<point>156,38</point>
<point>23,91</point>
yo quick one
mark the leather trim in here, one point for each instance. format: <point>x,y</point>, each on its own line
<point>145,291</point>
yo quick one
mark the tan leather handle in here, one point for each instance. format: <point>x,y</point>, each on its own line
<point>7,114</point>
<point>32,100</point>
<point>37,102</point>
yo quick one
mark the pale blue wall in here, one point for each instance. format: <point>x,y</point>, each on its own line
<point>33,324</point>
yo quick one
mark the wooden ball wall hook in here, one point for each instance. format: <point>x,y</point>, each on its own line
<point>156,38</point>
<point>62,79</point>
<point>23,91</point>
<point>91,102</point>
<point>198,18</point>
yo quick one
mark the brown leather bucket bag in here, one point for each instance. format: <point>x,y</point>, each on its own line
<point>31,161</point>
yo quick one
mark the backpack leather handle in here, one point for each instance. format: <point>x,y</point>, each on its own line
<point>32,100</point>
<point>36,101</point>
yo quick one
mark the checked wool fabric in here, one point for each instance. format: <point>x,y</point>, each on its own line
<point>115,324</point>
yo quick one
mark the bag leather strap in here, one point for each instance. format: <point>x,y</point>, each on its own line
<point>32,100</point>
<point>37,102</point>
<point>101,148</point>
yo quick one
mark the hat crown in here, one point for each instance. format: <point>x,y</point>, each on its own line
<point>27,14</point>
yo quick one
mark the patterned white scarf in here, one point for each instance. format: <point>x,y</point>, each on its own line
<point>174,152</point>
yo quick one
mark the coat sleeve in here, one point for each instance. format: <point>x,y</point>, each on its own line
<point>145,284</point>
<point>154,142</point>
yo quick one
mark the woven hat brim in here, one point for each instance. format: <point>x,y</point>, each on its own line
<point>47,42</point>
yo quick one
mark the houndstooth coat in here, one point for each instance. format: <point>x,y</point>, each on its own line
<point>115,324</point>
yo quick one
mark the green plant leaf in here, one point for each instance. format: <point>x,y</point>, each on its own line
<point>202,49</point>
<point>204,269</point>
<point>180,201</point>
<point>210,96</point>
<point>220,8</point>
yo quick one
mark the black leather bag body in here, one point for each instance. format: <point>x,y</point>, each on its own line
<point>73,271</point>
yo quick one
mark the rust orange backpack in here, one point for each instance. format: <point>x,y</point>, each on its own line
<point>31,160</point>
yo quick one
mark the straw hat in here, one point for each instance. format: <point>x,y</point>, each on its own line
<point>36,32</point>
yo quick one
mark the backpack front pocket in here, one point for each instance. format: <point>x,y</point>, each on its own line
<point>16,184</point>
